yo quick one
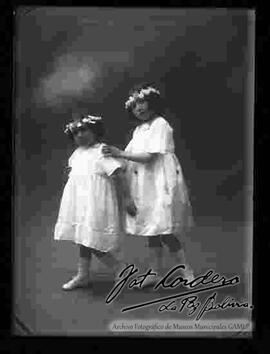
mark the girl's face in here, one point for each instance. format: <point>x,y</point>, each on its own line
<point>141,110</point>
<point>84,137</point>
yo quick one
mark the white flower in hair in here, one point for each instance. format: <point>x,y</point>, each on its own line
<point>69,127</point>
<point>73,125</point>
<point>129,101</point>
<point>91,119</point>
<point>141,94</point>
<point>148,90</point>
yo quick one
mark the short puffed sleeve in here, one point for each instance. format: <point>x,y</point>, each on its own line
<point>109,165</point>
<point>160,138</point>
<point>72,158</point>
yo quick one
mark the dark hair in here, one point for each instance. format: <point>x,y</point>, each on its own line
<point>155,102</point>
<point>97,128</point>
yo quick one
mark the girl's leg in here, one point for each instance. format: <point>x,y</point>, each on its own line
<point>82,277</point>
<point>177,254</point>
<point>155,253</point>
<point>154,260</point>
<point>110,261</point>
<point>107,258</point>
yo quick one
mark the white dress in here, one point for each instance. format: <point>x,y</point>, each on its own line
<point>89,213</point>
<point>158,188</point>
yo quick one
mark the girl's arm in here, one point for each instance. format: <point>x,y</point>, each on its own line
<point>142,157</point>
<point>123,191</point>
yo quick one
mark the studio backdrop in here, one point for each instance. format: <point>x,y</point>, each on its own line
<point>73,61</point>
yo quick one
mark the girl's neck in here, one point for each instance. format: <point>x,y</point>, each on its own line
<point>150,120</point>
<point>90,145</point>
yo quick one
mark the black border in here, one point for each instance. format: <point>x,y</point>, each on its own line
<point>261,137</point>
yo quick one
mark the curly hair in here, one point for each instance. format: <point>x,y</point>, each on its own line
<point>155,102</point>
<point>97,128</point>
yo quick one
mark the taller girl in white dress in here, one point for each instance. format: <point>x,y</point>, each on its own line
<point>90,213</point>
<point>156,180</point>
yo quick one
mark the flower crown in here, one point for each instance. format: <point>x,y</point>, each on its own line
<point>80,123</point>
<point>140,95</point>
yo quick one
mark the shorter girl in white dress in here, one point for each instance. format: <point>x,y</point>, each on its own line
<point>156,181</point>
<point>90,213</point>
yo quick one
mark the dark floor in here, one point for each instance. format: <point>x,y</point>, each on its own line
<point>42,265</point>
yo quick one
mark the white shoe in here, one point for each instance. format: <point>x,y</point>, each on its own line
<point>180,258</point>
<point>188,274</point>
<point>78,281</point>
<point>82,277</point>
<point>151,280</point>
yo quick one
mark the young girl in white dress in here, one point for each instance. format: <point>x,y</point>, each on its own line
<point>90,213</point>
<point>156,181</point>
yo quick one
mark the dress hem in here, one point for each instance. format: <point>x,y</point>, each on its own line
<point>111,249</point>
<point>157,234</point>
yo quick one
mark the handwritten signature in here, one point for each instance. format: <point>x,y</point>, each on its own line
<point>192,303</point>
<point>207,282</point>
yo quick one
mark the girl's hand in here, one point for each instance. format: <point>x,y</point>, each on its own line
<point>131,207</point>
<point>111,151</point>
